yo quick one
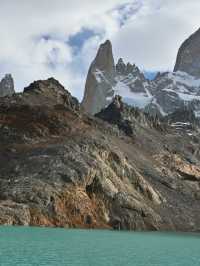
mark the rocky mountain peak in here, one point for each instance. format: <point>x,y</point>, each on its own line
<point>121,67</point>
<point>163,95</point>
<point>188,58</point>
<point>104,60</point>
<point>125,69</point>
<point>100,80</point>
<point>7,86</point>
<point>49,92</point>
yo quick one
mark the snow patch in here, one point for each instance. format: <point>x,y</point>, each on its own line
<point>184,78</point>
<point>137,99</point>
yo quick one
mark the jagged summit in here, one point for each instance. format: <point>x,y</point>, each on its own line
<point>49,92</point>
<point>46,93</point>
<point>163,95</point>
<point>126,69</point>
<point>121,67</point>
<point>188,58</point>
<point>105,80</point>
<point>100,80</point>
<point>7,86</point>
<point>104,59</point>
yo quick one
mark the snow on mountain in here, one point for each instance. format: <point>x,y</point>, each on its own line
<point>138,99</point>
<point>165,94</point>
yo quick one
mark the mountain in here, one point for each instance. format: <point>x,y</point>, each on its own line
<point>188,58</point>
<point>100,80</point>
<point>7,86</point>
<point>164,95</point>
<point>134,164</point>
<point>120,169</point>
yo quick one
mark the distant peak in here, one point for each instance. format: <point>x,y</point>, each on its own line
<point>7,86</point>
<point>107,43</point>
<point>123,68</point>
<point>8,75</point>
<point>188,58</point>
<point>120,61</point>
<point>100,79</point>
<point>105,47</point>
<point>104,59</point>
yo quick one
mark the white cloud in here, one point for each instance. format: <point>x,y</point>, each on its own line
<point>152,38</point>
<point>34,35</point>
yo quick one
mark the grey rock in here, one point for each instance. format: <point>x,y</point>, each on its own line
<point>188,58</point>
<point>167,93</point>
<point>100,80</point>
<point>7,86</point>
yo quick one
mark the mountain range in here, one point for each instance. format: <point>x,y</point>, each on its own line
<point>163,95</point>
<point>127,157</point>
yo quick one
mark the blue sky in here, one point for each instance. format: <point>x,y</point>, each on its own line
<point>78,39</point>
<point>43,38</point>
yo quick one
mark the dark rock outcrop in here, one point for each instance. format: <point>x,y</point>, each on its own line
<point>7,86</point>
<point>127,118</point>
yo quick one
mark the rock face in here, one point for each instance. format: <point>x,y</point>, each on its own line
<point>7,86</point>
<point>127,118</point>
<point>49,92</point>
<point>121,169</point>
<point>173,91</point>
<point>100,80</point>
<point>164,95</point>
<point>188,59</point>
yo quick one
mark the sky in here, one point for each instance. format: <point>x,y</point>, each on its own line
<point>48,38</point>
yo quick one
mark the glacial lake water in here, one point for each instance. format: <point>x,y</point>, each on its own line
<point>24,246</point>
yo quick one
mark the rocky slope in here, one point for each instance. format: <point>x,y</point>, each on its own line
<point>7,86</point>
<point>164,95</point>
<point>122,169</point>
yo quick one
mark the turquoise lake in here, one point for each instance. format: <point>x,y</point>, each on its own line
<point>23,246</point>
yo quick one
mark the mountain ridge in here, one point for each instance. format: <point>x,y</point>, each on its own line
<point>61,167</point>
<point>163,95</point>
<point>132,166</point>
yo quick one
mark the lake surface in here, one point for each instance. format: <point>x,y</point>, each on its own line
<point>25,246</point>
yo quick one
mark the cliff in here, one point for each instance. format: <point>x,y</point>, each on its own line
<point>188,56</point>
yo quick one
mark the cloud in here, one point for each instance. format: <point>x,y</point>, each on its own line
<point>43,38</point>
<point>153,35</point>
<point>50,38</point>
